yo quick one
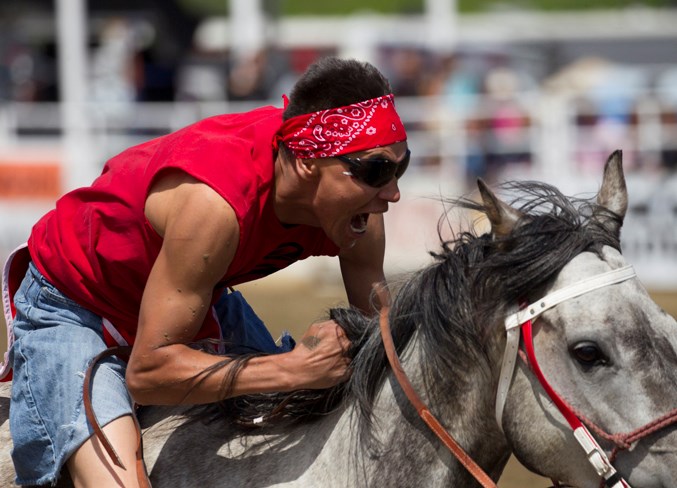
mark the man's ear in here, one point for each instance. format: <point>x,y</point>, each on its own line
<point>306,168</point>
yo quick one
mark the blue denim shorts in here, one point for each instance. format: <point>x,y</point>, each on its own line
<point>55,340</point>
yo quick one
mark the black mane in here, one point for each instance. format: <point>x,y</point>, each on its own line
<point>473,280</point>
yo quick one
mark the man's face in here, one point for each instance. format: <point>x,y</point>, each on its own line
<point>344,201</point>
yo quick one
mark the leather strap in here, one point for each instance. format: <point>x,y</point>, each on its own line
<point>512,344</point>
<point>595,454</point>
<point>515,320</point>
<point>523,319</point>
<point>572,291</point>
<point>418,404</point>
<point>141,473</point>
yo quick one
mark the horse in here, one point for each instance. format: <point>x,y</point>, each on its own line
<point>610,353</point>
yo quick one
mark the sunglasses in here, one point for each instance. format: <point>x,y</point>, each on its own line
<point>375,172</point>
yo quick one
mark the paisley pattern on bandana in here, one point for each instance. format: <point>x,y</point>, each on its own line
<point>328,133</point>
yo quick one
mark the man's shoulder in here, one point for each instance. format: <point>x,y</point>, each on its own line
<point>179,193</point>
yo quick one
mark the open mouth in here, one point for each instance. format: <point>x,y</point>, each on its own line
<point>358,224</point>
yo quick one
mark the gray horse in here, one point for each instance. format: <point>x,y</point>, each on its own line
<point>611,353</point>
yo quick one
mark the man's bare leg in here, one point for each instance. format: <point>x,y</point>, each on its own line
<point>91,467</point>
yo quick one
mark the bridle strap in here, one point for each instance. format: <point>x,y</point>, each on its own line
<point>423,411</point>
<point>523,318</point>
<point>512,342</point>
<point>515,320</point>
<point>595,454</point>
<point>568,292</point>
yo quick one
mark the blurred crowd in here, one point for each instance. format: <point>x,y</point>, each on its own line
<point>488,90</point>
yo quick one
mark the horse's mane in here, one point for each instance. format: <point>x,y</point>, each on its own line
<point>472,280</point>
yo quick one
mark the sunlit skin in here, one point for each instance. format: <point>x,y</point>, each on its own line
<point>200,237</point>
<point>317,192</point>
<point>325,197</point>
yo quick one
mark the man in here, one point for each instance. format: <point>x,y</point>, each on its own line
<point>145,255</point>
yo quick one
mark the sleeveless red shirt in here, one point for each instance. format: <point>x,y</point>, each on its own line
<point>97,247</point>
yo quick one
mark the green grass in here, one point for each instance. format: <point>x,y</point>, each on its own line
<point>346,7</point>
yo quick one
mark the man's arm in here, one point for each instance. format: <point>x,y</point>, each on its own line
<point>201,235</point>
<point>362,265</point>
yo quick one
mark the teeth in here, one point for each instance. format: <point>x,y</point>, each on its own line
<point>358,224</point>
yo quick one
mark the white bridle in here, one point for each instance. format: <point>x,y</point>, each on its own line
<point>514,322</point>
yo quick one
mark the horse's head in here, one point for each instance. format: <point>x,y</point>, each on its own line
<point>610,353</point>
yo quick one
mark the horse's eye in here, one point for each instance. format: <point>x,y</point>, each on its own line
<point>588,354</point>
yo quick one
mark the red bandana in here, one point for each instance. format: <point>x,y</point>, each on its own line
<point>328,133</point>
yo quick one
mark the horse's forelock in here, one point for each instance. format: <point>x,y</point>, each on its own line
<point>554,230</point>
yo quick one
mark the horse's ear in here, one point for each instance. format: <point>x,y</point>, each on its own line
<point>502,216</point>
<point>613,195</point>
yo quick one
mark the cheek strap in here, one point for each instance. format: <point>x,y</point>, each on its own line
<point>515,320</point>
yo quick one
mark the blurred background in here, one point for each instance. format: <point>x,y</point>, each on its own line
<point>529,89</point>
<point>537,89</point>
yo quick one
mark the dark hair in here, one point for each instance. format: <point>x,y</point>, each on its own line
<point>333,82</point>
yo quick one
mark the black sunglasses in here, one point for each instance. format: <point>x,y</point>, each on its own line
<point>376,172</point>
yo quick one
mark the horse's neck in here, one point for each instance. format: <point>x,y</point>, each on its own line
<point>329,452</point>
<point>407,442</point>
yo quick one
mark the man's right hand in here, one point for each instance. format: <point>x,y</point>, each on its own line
<point>320,358</point>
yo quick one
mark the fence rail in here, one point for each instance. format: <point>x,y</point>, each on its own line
<point>554,137</point>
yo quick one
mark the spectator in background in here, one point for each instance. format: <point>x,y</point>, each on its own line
<point>459,88</point>
<point>506,124</point>
<point>115,69</point>
<point>252,77</point>
<point>407,70</point>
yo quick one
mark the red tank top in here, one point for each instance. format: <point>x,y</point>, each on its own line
<point>98,248</point>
